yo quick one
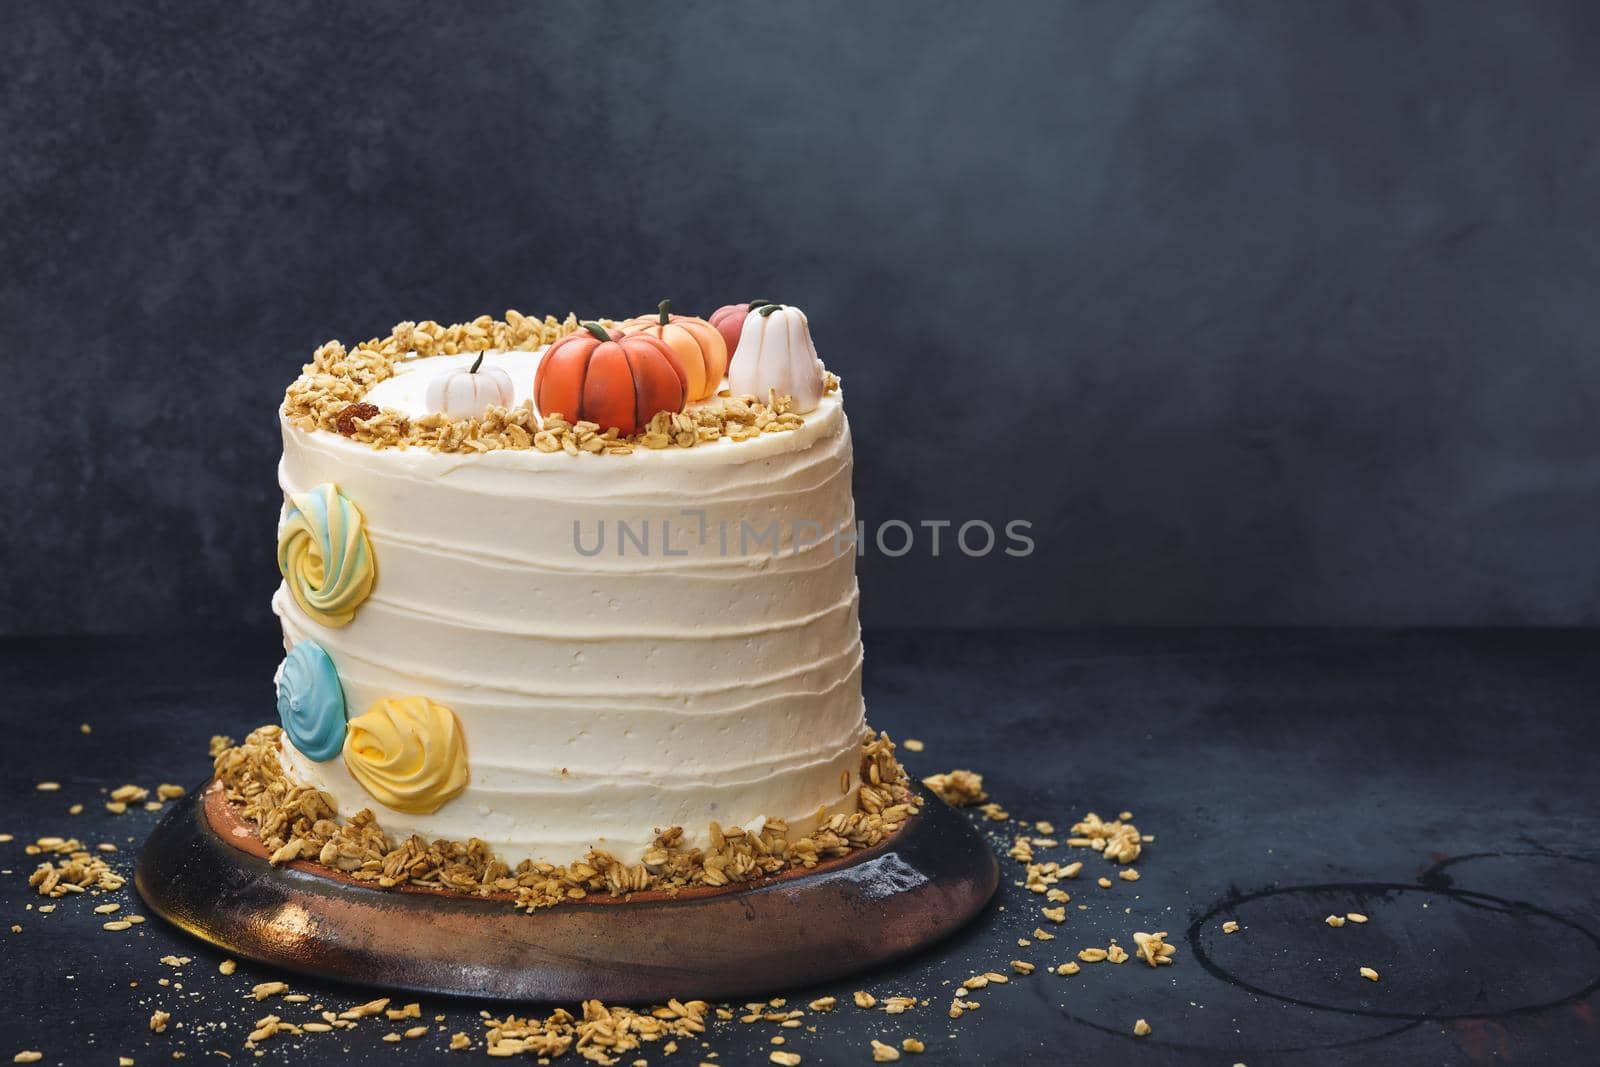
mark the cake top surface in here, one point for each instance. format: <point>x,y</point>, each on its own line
<point>476,387</point>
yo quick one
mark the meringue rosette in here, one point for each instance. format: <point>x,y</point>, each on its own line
<point>324,556</point>
<point>407,752</point>
<point>311,702</point>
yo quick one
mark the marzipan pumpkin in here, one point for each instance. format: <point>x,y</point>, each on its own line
<point>729,321</point>
<point>610,381</point>
<point>775,353</point>
<point>466,393</point>
<point>699,347</point>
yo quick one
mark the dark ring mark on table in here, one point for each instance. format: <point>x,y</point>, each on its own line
<point>1466,897</point>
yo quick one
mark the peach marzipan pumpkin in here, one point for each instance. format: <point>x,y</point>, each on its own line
<point>622,381</point>
<point>729,321</point>
<point>699,347</point>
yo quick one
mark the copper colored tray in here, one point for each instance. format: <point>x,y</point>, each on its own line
<point>204,870</point>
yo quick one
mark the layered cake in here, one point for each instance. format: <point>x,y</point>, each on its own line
<point>562,600</point>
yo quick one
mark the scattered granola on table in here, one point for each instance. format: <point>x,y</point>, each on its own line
<point>81,871</point>
<point>1119,841</point>
<point>299,822</point>
<point>1153,949</point>
<point>994,812</point>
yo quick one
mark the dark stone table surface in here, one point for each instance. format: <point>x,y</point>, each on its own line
<point>1442,783</point>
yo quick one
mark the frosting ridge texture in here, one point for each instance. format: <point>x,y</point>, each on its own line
<point>714,676</point>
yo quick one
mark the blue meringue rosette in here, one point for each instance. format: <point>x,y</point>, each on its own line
<point>311,702</point>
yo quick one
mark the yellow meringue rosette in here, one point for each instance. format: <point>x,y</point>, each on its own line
<point>324,556</point>
<point>408,753</point>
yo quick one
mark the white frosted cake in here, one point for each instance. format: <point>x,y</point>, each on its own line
<point>507,624</point>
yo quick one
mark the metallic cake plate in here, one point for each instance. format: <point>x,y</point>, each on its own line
<point>204,870</point>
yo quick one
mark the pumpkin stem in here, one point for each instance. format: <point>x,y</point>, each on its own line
<point>664,307</point>
<point>477,362</point>
<point>751,305</point>
<point>767,309</point>
<point>598,330</point>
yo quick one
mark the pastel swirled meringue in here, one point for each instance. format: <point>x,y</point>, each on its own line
<point>407,752</point>
<point>311,702</point>
<point>324,555</point>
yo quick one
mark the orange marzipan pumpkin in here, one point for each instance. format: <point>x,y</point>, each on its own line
<point>699,345</point>
<point>620,381</point>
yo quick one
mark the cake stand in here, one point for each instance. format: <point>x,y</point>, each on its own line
<point>204,870</point>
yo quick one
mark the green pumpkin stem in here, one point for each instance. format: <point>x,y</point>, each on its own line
<point>477,362</point>
<point>598,330</point>
<point>751,305</point>
<point>664,307</point>
<point>767,309</point>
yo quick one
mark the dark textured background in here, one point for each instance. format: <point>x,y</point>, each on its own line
<point>1273,312</point>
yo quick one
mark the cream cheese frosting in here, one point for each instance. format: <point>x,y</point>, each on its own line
<point>600,695</point>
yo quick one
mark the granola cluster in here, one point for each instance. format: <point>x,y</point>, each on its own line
<point>337,377</point>
<point>299,822</point>
<point>1118,840</point>
<point>957,788</point>
<point>601,1036</point>
<point>737,418</point>
<point>79,872</point>
<point>329,395</point>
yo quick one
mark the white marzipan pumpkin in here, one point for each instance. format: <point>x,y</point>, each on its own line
<point>775,352</point>
<point>464,393</point>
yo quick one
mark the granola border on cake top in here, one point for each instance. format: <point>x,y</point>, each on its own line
<point>330,396</point>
